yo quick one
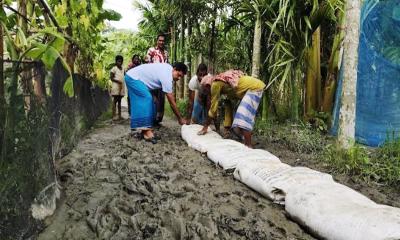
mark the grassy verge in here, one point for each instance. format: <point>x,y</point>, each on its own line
<point>297,137</point>
<point>380,165</point>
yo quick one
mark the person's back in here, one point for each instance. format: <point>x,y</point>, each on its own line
<point>154,76</point>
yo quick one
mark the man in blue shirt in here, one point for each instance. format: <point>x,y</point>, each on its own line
<point>140,81</point>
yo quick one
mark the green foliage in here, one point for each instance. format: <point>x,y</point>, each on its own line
<point>298,137</point>
<point>320,121</point>
<point>124,43</point>
<point>351,161</point>
<point>381,165</point>
<point>182,106</point>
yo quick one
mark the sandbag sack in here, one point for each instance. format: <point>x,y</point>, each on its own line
<point>199,143</point>
<point>229,156</point>
<point>275,181</point>
<point>253,172</point>
<point>204,142</point>
<point>334,211</point>
<point>189,131</point>
<point>222,147</point>
<point>282,182</point>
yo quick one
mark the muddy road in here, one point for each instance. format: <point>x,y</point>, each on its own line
<point>118,187</point>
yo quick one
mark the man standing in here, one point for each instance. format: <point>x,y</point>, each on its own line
<point>143,79</point>
<point>158,54</point>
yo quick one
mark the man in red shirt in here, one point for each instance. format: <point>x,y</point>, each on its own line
<point>158,54</point>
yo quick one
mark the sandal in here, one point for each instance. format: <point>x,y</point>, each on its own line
<point>153,140</point>
<point>156,137</point>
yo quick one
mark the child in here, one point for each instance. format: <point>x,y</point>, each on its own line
<point>134,63</point>
<point>118,86</point>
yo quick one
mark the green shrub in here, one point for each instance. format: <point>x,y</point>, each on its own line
<point>298,137</point>
<point>182,106</point>
<point>381,165</point>
<point>350,161</point>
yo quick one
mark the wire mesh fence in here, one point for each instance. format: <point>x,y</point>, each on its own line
<point>38,124</point>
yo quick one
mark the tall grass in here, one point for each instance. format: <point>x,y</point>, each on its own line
<point>298,137</point>
<point>381,165</point>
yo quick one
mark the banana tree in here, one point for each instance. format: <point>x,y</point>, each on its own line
<point>313,90</point>
<point>329,88</point>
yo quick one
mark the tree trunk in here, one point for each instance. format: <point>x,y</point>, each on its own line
<point>211,55</point>
<point>173,49</point>
<point>70,50</point>
<point>313,77</point>
<point>39,86</point>
<point>348,107</point>
<point>188,58</point>
<point>256,63</point>
<point>294,94</point>
<point>182,57</point>
<point>333,68</point>
<point>26,74</point>
<point>2,91</point>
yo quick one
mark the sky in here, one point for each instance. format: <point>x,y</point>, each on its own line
<point>130,16</point>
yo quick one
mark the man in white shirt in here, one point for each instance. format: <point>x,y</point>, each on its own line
<point>197,105</point>
<point>143,79</point>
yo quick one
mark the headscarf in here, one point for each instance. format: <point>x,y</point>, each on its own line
<point>231,77</point>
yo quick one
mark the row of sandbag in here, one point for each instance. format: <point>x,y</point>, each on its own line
<point>312,198</point>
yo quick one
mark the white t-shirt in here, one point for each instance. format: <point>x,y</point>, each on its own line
<point>154,76</point>
<point>194,84</point>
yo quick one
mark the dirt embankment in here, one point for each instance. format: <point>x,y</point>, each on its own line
<point>117,187</point>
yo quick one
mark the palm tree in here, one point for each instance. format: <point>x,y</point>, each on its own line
<point>350,60</point>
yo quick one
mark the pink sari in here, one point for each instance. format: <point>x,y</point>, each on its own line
<point>231,77</point>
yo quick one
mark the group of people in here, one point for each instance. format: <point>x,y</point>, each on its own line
<point>149,84</point>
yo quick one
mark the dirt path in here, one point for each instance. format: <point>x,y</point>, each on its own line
<point>117,187</point>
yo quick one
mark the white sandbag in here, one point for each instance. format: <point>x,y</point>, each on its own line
<point>253,172</point>
<point>204,142</point>
<point>199,143</point>
<point>223,147</point>
<point>282,182</point>
<point>189,131</point>
<point>334,211</point>
<point>227,143</point>
<point>229,156</point>
<point>275,181</point>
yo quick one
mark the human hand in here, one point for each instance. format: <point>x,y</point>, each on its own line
<point>202,131</point>
<point>182,121</point>
<point>188,121</point>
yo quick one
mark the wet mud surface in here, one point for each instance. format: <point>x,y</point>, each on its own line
<point>118,187</point>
